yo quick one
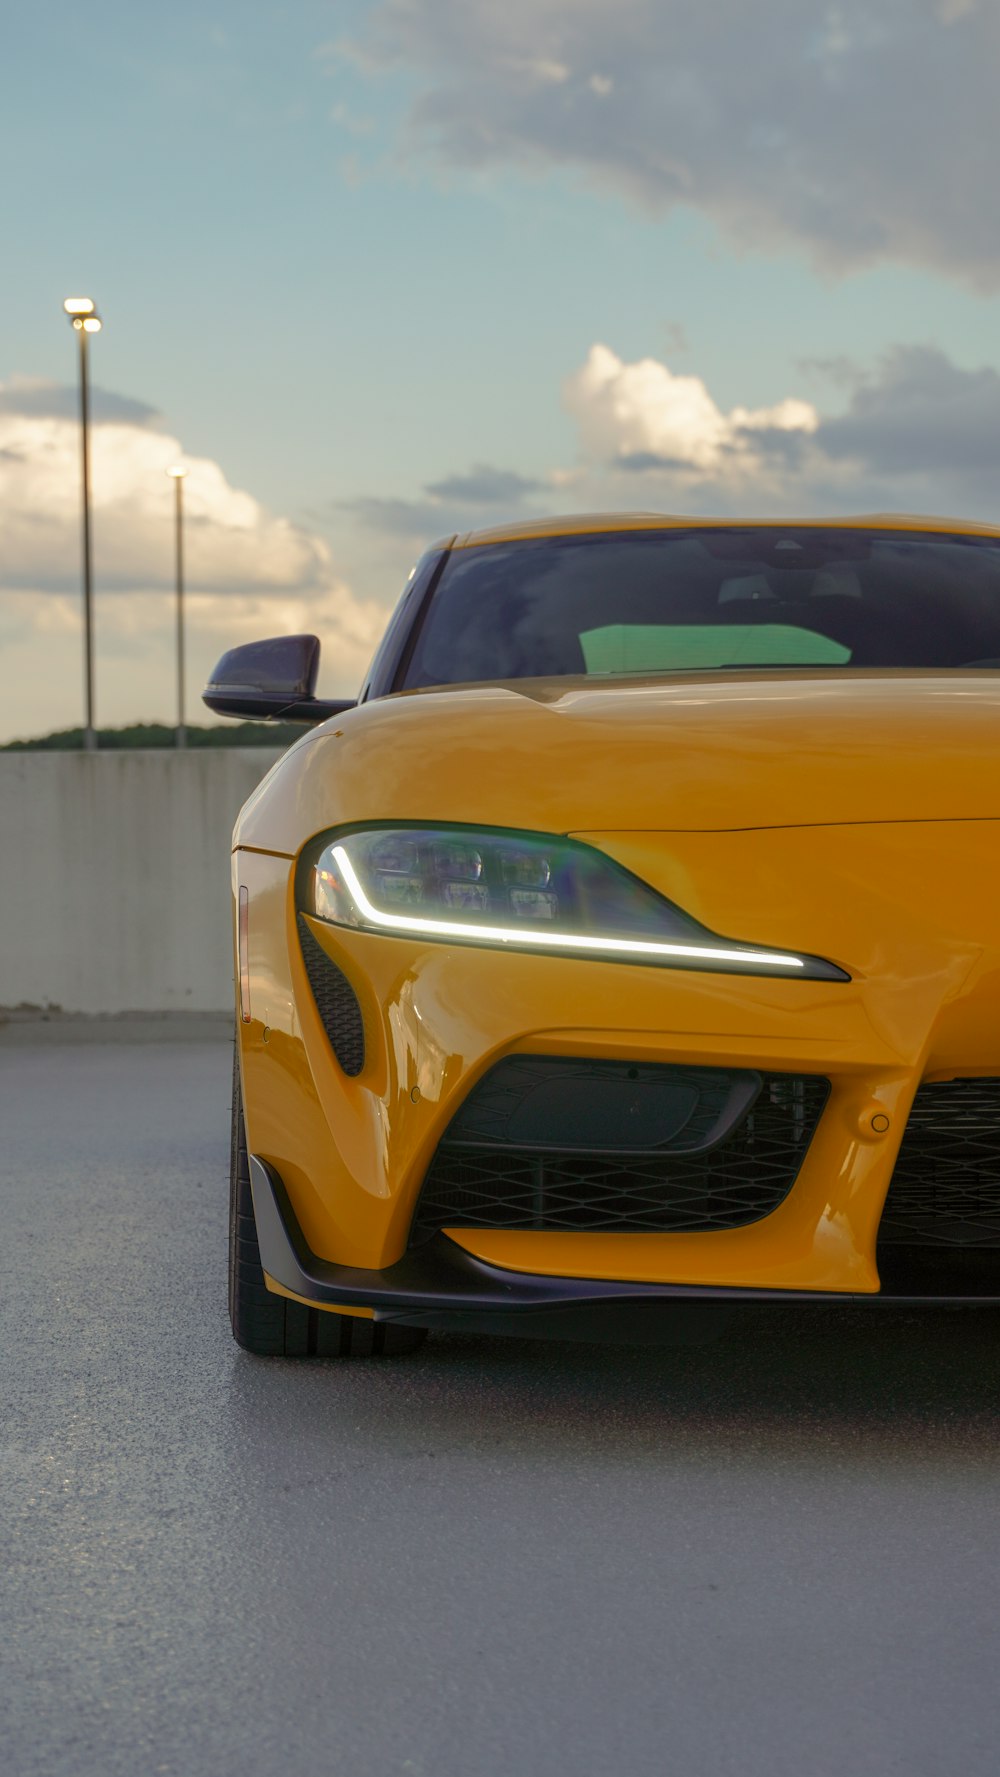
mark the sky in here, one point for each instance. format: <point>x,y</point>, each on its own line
<point>376,271</point>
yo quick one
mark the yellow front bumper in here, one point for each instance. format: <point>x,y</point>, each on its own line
<point>907,908</point>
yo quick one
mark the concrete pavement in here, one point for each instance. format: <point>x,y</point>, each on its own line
<point>777,1554</point>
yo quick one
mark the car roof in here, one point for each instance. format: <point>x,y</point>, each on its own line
<point>583,524</point>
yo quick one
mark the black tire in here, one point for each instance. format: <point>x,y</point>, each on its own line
<point>270,1325</point>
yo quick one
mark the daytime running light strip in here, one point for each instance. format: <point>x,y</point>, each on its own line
<point>443,928</point>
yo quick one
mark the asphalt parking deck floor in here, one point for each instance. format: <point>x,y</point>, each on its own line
<point>779,1553</point>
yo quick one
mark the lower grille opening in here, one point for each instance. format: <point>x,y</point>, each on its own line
<point>940,1229</point>
<point>600,1146</point>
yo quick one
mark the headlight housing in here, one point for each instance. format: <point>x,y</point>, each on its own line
<point>522,891</point>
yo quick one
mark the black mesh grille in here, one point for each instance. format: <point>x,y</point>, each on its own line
<point>945,1188</point>
<point>337,1003</point>
<point>737,1179</point>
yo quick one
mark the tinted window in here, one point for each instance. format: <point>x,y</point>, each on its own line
<point>674,601</point>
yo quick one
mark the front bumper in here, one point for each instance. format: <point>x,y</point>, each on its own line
<point>352,1150</point>
<point>443,1286</point>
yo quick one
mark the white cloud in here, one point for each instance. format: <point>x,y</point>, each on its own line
<point>918,433</point>
<point>233,541</point>
<point>644,410</point>
<point>248,572</point>
<point>861,131</point>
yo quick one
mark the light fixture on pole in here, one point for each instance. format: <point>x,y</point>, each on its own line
<point>177,473</point>
<point>82,312</point>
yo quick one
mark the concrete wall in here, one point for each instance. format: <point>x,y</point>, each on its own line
<point>114,877</point>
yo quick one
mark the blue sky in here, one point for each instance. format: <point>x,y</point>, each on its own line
<point>347,253</point>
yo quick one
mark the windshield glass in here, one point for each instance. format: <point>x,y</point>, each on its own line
<point>711,600</point>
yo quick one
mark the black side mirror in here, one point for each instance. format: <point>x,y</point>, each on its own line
<point>271,681</point>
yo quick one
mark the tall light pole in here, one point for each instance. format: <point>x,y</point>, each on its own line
<point>82,311</point>
<point>177,474</point>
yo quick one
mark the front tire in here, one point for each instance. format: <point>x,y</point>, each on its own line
<point>270,1325</point>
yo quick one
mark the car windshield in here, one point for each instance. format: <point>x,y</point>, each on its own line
<point>712,599</point>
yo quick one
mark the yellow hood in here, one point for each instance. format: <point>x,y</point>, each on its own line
<point>699,755</point>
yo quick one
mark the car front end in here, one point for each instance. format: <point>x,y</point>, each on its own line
<point>467,1109</point>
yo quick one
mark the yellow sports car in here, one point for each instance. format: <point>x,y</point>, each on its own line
<point>631,946</point>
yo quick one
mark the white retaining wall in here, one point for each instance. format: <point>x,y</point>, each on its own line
<point>114,877</point>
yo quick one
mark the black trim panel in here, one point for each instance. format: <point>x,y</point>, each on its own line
<point>443,1286</point>
<point>400,633</point>
<point>336,1002</point>
<point>538,1144</point>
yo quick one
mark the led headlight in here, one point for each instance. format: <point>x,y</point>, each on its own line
<point>522,890</point>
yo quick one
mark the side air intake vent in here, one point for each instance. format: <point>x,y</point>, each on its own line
<point>336,1002</point>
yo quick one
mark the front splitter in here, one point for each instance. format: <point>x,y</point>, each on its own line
<point>440,1285</point>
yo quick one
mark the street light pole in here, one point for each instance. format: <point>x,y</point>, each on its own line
<point>83,314</point>
<point>177,474</point>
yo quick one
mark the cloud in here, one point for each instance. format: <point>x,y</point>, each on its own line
<point>920,413</point>
<point>34,397</point>
<point>864,131</point>
<point>249,572</point>
<point>415,522</point>
<point>233,543</point>
<point>461,502</point>
<point>40,642</point>
<point>644,415</point>
<point>482,486</point>
<point>917,433</point>
<point>914,432</point>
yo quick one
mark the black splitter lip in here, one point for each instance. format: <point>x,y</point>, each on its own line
<point>441,1285</point>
